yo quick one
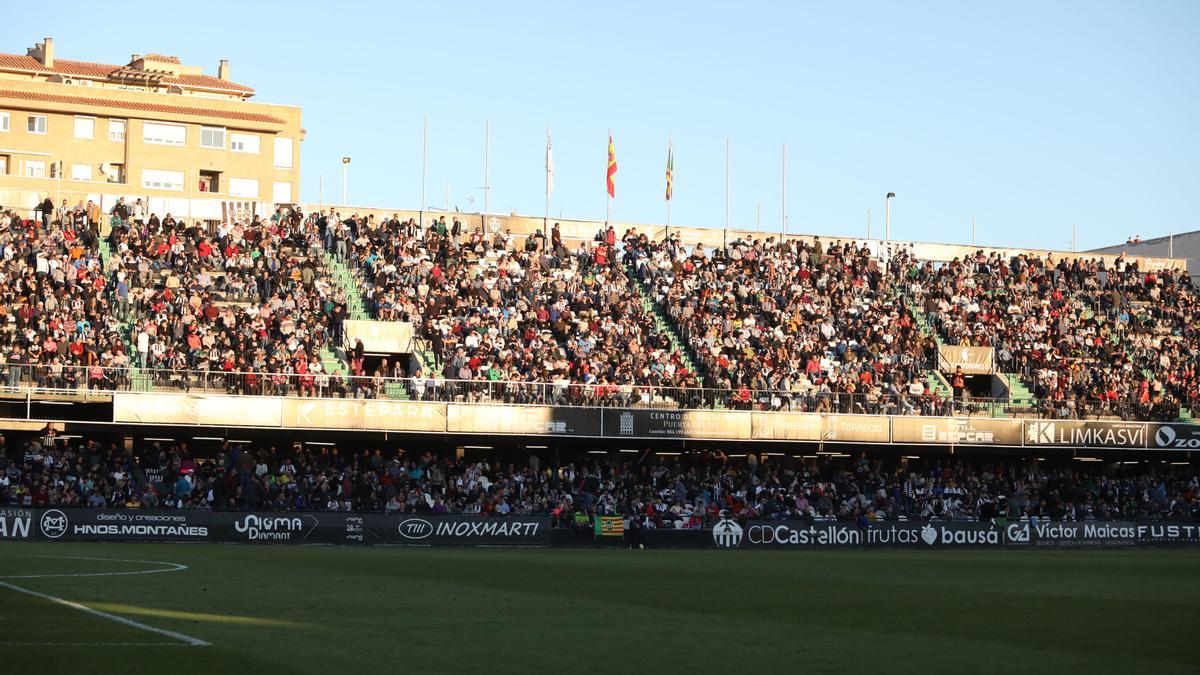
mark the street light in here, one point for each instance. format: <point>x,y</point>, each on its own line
<point>345,172</point>
<point>887,218</point>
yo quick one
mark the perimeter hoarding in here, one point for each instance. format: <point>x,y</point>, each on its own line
<point>272,528</point>
<point>1164,436</point>
<point>197,409</point>
<point>799,534</point>
<point>713,424</point>
<point>785,426</point>
<point>1085,433</point>
<point>523,420</point>
<point>1045,534</point>
<point>956,431</point>
<point>320,527</point>
<point>855,429</point>
<point>381,415</point>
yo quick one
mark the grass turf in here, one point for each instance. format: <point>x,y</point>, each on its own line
<point>283,609</point>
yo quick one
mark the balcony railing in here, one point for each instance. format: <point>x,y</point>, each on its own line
<point>96,381</point>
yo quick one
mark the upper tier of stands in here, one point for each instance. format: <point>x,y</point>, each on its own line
<point>627,319</point>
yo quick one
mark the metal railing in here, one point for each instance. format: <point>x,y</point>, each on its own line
<point>92,381</point>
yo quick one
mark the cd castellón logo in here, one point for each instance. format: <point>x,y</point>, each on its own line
<point>727,534</point>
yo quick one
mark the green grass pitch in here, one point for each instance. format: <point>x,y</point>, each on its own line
<point>280,609</point>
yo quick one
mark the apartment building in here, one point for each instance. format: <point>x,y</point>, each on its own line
<point>152,128</point>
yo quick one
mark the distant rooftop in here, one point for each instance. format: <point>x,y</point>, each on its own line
<point>148,70</point>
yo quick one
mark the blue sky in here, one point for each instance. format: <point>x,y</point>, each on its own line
<point>1029,116</point>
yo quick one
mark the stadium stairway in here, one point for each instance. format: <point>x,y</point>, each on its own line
<point>347,279</point>
<point>663,321</point>
<point>125,325</point>
<point>937,382</point>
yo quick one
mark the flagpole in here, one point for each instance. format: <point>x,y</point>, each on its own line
<point>670,166</point>
<point>546,224</point>
<point>725,232</point>
<point>607,196</point>
<point>424,167</point>
<point>783,225</point>
<point>487,150</point>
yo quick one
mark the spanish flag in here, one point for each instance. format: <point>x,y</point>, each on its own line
<point>670,172</point>
<point>612,168</point>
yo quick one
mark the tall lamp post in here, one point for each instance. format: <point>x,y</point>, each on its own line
<point>887,217</point>
<point>345,177</point>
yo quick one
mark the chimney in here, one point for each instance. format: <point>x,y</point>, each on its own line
<point>48,53</point>
<point>223,70</point>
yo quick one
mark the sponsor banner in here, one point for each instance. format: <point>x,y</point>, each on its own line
<point>1070,535</point>
<point>718,424</point>
<point>461,530</point>
<point>376,415</point>
<point>195,409</point>
<point>131,525</point>
<point>610,526</point>
<point>1087,434</point>
<point>956,430</point>
<point>972,360</point>
<point>271,528</point>
<point>855,429</point>
<point>781,426</point>
<point>16,523</point>
<point>80,524</point>
<point>800,534</point>
<point>522,419</point>
<point>1174,437</point>
<point>1168,534</point>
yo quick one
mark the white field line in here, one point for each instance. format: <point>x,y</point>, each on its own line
<point>185,640</point>
<point>173,567</point>
<point>93,644</point>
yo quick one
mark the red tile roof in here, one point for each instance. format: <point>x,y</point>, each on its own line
<point>160,57</point>
<point>101,70</point>
<point>141,107</point>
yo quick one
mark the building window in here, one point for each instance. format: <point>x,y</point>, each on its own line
<point>210,181</point>
<point>4,121</point>
<point>164,134</point>
<point>281,193</point>
<point>243,187</point>
<point>116,130</point>
<point>212,137</point>
<point>36,124</point>
<point>243,142</point>
<point>4,160</point>
<point>81,172</point>
<point>156,179</point>
<point>85,127</point>
<point>283,153</point>
<point>35,168</point>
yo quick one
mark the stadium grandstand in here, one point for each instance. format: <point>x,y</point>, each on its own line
<point>454,440</point>
<point>765,323</point>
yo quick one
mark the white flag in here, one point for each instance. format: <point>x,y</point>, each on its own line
<point>549,166</point>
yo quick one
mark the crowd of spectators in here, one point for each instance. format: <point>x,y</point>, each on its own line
<point>686,491</point>
<point>820,327</point>
<point>247,297</point>
<point>1091,339</point>
<point>494,311</point>
<point>57,327</point>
